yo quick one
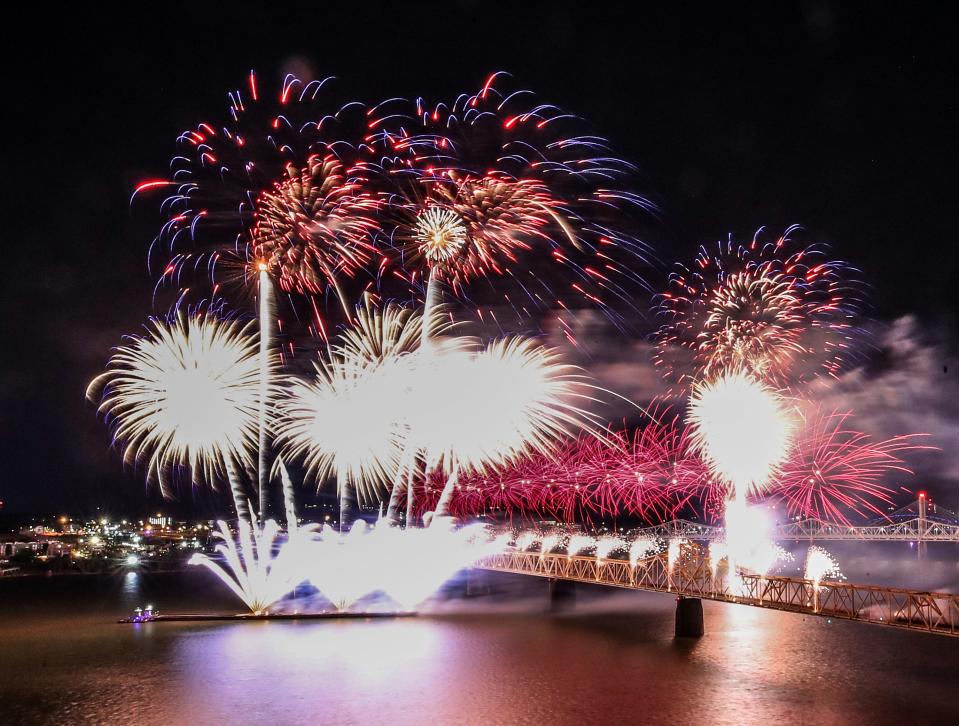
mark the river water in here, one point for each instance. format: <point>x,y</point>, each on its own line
<point>498,659</point>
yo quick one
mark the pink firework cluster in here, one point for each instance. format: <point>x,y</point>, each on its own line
<point>653,474</point>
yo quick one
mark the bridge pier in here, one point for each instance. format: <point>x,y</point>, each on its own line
<point>476,583</point>
<point>561,594</point>
<point>689,617</point>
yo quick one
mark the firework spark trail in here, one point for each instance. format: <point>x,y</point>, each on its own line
<point>778,311</point>
<point>187,393</point>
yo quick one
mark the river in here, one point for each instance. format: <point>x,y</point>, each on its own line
<point>499,659</point>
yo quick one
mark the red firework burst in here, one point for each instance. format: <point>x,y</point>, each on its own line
<point>314,226</point>
<point>781,313</point>
<point>493,185</point>
<point>834,470</point>
<point>279,180</point>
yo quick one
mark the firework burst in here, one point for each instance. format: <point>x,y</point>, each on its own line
<point>650,473</point>
<point>833,469</point>
<point>314,227</point>
<point>494,185</point>
<point>347,423</point>
<point>782,313</point>
<point>278,181</point>
<point>187,393</point>
<point>741,429</point>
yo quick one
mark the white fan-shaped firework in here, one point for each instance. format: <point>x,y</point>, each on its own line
<point>187,393</point>
<point>479,409</point>
<point>741,428</point>
<point>347,422</point>
<point>378,334</point>
<point>485,408</point>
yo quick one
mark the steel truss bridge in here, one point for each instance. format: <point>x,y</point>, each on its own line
<point>912,523</point>
<point>691,576</point>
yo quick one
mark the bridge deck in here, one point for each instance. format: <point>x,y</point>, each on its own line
<point>691,576</point>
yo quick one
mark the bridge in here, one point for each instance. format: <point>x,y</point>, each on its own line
<point>691,578</point>
<point>912,523</point>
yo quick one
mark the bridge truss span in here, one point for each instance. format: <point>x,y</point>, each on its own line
<point>692,576</point>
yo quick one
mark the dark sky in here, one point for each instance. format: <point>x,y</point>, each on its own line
<point>841,118</point>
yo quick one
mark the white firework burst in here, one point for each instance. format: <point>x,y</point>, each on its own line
<point>440,234</point>
<point>187,393</point>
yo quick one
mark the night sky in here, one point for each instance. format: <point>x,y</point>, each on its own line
<point>813,113</point>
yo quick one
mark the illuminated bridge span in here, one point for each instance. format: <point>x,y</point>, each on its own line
<point>692,578</point>
<point>913,523</point>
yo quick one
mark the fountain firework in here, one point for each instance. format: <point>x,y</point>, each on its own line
<point>820,565</point>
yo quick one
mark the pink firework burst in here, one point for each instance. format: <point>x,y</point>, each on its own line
<point>833,470</point>
<point>650,473</point>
